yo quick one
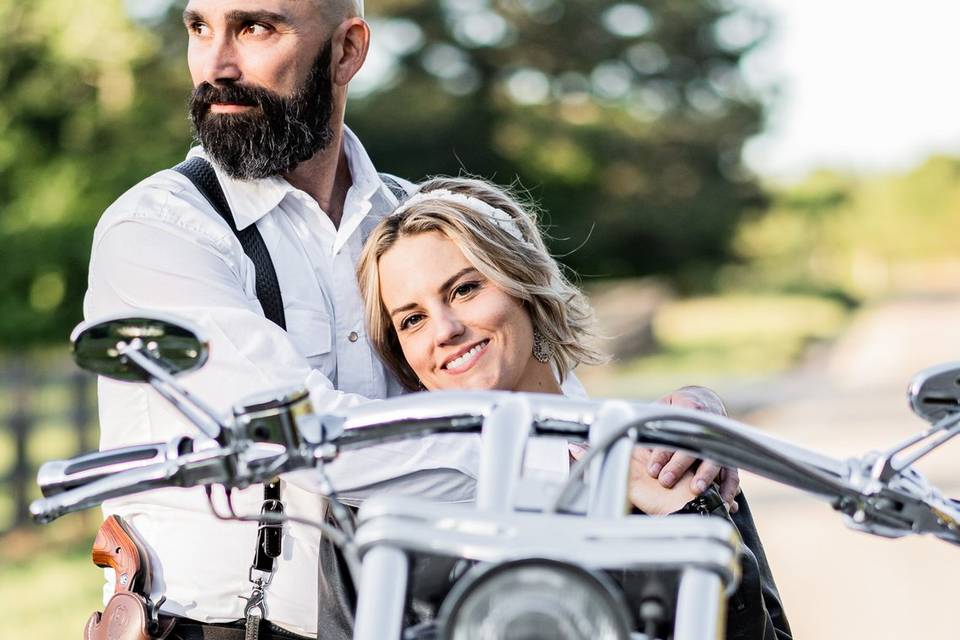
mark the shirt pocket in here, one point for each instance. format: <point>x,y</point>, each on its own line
<point>312,334</point>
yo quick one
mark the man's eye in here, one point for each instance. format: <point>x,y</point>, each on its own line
<point>198,28</point>
<point>410,321</point>
<point>257,29</point>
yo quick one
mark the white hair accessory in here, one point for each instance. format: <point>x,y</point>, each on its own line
<point>501,218</point>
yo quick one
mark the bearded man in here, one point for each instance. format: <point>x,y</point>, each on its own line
<point>270,84</point>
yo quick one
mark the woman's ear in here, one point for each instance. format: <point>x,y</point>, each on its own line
<point>351,42</point>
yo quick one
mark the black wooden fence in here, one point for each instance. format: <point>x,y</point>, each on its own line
<point>34,399</point>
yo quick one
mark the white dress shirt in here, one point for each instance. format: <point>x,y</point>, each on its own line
<point>161,247</point>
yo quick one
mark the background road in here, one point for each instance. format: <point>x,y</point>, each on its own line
<point>838,583</point>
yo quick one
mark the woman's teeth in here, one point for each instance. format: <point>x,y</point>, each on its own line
<point>460,361</point>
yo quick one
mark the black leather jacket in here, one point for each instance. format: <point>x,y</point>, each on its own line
<point>755,611</point>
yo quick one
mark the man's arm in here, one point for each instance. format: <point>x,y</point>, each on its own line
<point>148,265</point>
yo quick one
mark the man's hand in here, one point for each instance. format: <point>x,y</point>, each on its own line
<point>669,466</point>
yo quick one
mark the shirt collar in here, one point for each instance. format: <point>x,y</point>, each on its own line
<point>250,200</point>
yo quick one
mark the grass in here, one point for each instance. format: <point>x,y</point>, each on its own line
<point>48,584</point>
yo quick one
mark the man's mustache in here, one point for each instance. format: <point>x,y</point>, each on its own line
<point>206,94</point>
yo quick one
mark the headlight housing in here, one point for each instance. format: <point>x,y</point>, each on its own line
<point>533,600</point>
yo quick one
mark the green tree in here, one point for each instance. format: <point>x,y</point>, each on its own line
<point>625,120</point>
<point>91,104</point>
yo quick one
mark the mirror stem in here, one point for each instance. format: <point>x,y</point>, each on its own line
<point>204,418</point>
<point>884,468</point>
<point>949,428</point>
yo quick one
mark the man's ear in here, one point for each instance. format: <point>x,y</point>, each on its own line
<point>351,41</point>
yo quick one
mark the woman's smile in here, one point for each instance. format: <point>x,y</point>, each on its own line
<point>465,359</point>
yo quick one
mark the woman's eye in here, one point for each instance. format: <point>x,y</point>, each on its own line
<point>410,321</point>
<point>465,289</point>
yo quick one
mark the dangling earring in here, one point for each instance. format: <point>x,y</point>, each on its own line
<point>542,348</point>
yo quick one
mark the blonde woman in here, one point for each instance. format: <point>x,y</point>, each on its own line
<point>461,292</point>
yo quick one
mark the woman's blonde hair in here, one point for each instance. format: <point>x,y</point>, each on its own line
<point>508,250</point>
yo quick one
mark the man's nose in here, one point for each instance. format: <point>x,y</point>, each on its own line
<point>222,64</point>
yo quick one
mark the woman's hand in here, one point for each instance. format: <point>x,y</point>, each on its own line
<point>647,494</point>
<point>644,491</point>
<point>670,467</point>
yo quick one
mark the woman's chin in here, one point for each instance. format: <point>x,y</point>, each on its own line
<point>469,381</point>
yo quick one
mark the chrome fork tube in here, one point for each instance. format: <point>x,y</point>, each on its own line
<point>609,472</point>
<point>701,606</point>
<point>382,594</point>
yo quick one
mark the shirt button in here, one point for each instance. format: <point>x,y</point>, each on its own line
<point>353,337</point>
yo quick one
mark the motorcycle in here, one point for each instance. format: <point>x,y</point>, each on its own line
<point>529,555</point>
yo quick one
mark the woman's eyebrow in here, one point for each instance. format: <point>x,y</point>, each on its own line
<point>449,281</point>
<point>442,288</point>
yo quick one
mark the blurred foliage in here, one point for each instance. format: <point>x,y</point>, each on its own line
<point>625,122</point>
<point>856,237</point>
<point>721,341</point>
<point>91,104</point>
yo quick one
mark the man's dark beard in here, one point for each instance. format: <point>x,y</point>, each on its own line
<point>276,135</point>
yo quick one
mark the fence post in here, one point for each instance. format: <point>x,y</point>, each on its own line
<point>80,411</point>
<point>20,422</point>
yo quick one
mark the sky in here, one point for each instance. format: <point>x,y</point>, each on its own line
<point>865,85</point>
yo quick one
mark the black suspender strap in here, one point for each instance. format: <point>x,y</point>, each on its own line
<point>398,191</point>
<point>204,178</point>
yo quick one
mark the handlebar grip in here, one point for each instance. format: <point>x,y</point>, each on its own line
<point>58,476</point>
<point>49,509</point>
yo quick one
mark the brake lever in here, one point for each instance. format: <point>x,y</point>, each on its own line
<point>900,505</point>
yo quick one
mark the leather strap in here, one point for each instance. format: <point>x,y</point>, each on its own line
<point>398,191</point>
<point>204,178</point>
<point>269,534</point>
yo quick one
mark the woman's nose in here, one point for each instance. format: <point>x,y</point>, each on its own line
<point>448,327</point>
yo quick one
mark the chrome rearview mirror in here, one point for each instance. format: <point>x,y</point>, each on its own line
<point>934,393</point>
<point>104,347</point>
<point>151,349</point>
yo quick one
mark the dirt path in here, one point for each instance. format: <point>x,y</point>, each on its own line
<point>838,583</point>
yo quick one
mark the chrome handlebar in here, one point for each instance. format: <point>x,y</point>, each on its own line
<point>893,506</point>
